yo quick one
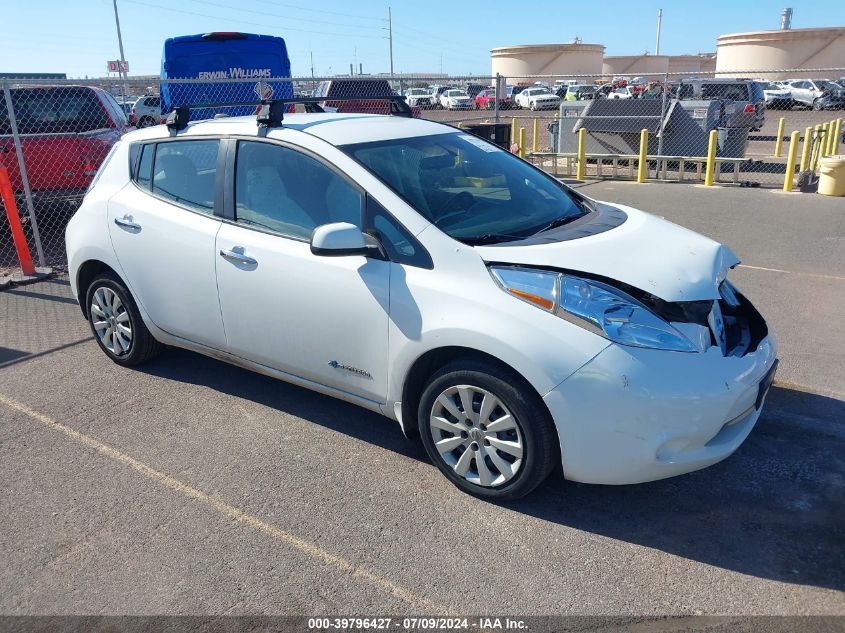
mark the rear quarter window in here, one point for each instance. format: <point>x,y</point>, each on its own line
<point>57,110</point>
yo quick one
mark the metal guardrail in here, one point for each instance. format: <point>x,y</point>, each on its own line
<point>631,164</point>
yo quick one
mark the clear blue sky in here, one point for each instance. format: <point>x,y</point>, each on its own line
<point>77,37</point>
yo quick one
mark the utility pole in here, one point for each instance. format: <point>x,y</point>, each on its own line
<point>390,37</point>
<point>122,57</point>
<point>659,23</point>
<point>312,70</point>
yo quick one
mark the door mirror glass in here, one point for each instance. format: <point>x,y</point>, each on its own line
<point>338,239</point>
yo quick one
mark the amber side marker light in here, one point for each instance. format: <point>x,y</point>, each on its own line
<point>542,302</point>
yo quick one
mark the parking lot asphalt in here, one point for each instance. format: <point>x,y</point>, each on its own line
<point>188,486</point>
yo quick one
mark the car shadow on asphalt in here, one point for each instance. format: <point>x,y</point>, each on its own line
<point>775,509</point>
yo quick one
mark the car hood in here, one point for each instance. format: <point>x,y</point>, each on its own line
<point>645,251</point>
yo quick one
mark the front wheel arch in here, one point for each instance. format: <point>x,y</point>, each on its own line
<point>430,363</point>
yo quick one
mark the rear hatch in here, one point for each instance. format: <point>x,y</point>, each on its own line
<point>65,134</point>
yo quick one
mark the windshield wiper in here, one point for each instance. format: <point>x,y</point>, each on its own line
<point>565,219</point>
<point>490,238</point>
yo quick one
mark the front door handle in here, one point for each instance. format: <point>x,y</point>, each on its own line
<point>235,256</point>
<point>127,223</point>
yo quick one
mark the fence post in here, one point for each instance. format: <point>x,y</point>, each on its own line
<point>790,162</point>
<point>805,151</point>
<point>534,138</point>
<point>13,124</point>
<point>582,152</point>
<point>499,92</point>
<point>779,140</point>
<point>522,142</point>
<point>825,139</point>
<point>641,167</point>
<point>711,158</point>
<point>817,148</point>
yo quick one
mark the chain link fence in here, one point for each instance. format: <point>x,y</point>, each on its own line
<point>54,136</point>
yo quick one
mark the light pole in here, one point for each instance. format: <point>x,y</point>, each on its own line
<point>390,37</point>
<point>122,62</point>
<point>659,23</point>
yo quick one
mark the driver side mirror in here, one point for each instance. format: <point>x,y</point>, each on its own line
<point>340,239</point>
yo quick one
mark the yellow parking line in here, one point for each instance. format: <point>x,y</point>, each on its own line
<point>791,272</point>
<point>231,511</point>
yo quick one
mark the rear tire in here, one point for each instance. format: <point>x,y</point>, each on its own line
<point>116,322</point>
<point>509,429</point>
<point>145,121</point>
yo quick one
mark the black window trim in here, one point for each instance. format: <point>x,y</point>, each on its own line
<point>135,161</point>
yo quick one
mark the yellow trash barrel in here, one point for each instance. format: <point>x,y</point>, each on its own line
<point>832,175</point>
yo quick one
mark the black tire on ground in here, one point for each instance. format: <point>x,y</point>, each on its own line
<point>142,346</point>
<point>541,449</point>
<point>817,106</point>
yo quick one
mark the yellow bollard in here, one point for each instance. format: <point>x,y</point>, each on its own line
<point>582,153</point>
<point>513,130</point>
<point>837,136</point>
<point>805,151</point>
<point>790,161</point>
<point>779,140</point>
<point>711,158</point>
<point>534,138</point>
<point>522,142</point>
<point>831,138</point>
<point>643,165</point>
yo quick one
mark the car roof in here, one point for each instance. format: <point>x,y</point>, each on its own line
<point>333,127</point>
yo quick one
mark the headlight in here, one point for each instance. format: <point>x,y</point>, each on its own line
<point>594,305</point>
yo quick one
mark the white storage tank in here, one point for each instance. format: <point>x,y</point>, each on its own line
<point>766,51</point>
<point>648,66</point>
<point>559,60</point>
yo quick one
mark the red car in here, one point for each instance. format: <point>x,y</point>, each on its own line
<point>486,100</point>
<point>369,91</point>
<point>66,133</point>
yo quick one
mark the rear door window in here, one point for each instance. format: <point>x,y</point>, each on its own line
<point>185,171</point>
<point>56,110</point>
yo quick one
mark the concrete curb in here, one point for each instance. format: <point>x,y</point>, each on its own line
<point>19,279</point>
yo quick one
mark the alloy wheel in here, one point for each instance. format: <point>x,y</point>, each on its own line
<point>111,321</point>
<point>476,435</point>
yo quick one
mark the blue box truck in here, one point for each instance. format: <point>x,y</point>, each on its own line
<point>215,57</point>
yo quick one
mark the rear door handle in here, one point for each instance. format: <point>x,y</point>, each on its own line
<point>235,256</point>
<point>127,223</point>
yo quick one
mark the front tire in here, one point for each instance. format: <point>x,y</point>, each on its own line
<point>116,322</point>
<point>487,430</point>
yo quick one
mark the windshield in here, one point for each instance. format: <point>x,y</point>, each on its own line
<point>471,189</point>
<point>827,85</point>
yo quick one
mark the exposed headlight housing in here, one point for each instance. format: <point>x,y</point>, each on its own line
<point>596,306</point>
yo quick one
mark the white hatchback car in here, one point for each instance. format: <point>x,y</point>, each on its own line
<point>427,274</point>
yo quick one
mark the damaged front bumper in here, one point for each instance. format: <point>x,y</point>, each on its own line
<point>633,415</point>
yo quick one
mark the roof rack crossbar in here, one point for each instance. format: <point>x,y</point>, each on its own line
<point>271,112</point>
